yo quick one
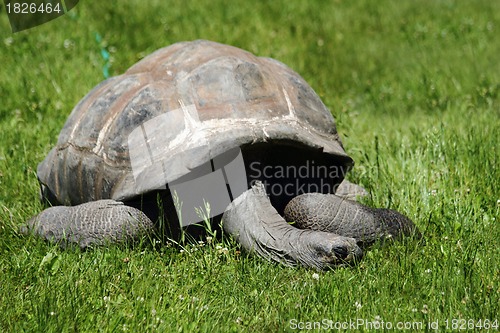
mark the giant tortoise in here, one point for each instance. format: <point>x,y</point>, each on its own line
<point>204,130</point>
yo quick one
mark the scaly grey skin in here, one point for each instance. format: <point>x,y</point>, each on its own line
<point>331,213</point>
<point>350,191</point>
<point>331,227</point>
<point>90,224</point>
<point>257,226</point>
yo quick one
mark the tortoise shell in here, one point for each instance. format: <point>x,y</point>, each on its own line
<point>193,100</point>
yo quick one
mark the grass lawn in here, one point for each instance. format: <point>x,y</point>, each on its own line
<point>415,90</point>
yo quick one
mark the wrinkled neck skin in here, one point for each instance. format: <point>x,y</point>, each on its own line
<point>258,227</point>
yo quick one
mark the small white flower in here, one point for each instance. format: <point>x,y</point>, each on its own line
<point>222,250</point>
<point>358,305</point>
<point>428,270</point>
<point>68,43</point>
<point>52,313</point>
<point>315,276</point>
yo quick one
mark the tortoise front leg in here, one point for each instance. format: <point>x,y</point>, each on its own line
<point>93,223</point>
<point>331,213</point>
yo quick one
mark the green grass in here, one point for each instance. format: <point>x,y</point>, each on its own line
<point>414,87</point>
